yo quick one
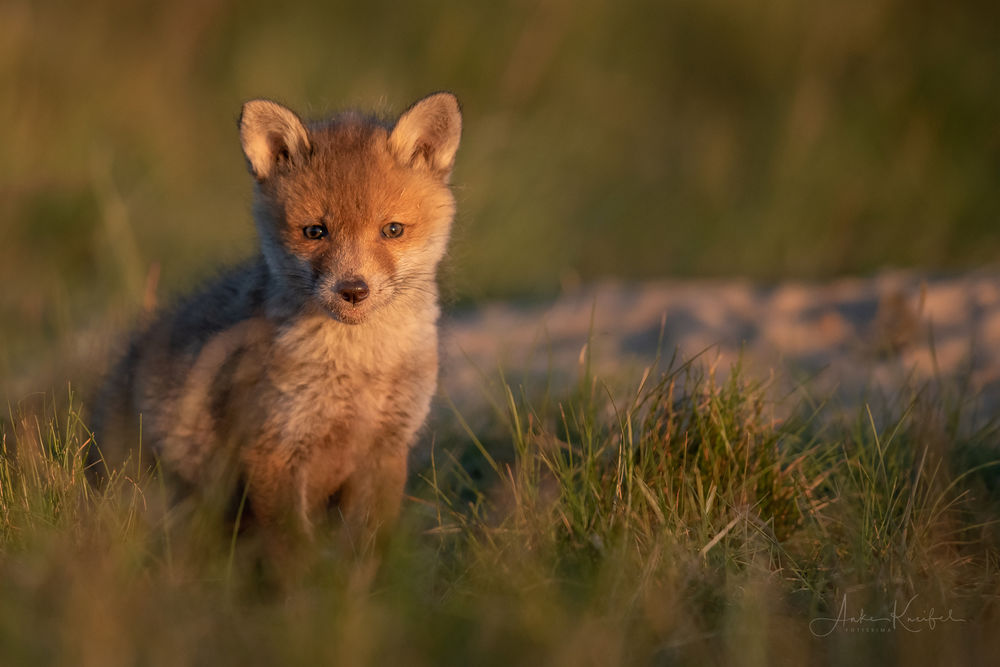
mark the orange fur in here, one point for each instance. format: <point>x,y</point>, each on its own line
<point>309,369</point>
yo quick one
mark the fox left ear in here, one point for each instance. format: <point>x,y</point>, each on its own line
<point>426,135</point>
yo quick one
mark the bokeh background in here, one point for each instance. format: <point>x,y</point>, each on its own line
<point>630,139</point>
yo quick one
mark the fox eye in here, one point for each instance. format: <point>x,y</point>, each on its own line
<point>314,232</point>
<point>393,230</point>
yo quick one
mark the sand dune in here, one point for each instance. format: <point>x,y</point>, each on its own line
<point>847,337</point>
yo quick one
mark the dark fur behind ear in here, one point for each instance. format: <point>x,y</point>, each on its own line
<point>272,137</point>
<point>427,134</point>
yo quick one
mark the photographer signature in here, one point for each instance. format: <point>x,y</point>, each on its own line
<point>896,619</point>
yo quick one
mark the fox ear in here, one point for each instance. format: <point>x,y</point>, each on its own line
<point>273,137</point>
<point>426,135</point>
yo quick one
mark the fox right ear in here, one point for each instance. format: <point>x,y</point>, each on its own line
<point>273,137</point>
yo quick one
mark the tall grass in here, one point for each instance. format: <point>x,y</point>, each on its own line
<point>677,521</point>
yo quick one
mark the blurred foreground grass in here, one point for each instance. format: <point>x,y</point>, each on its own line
<point>676,521</point>
<point>631,139</point>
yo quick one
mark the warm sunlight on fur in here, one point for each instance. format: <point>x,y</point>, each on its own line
<point>304,374</point>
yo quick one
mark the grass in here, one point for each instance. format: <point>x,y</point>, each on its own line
<point>677,521</point>
<point>683,520</point>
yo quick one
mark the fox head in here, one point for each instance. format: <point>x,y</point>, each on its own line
<point>353,213</point>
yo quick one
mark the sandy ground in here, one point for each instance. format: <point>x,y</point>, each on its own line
<point>846,338</point>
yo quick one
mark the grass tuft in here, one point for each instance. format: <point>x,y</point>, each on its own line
<point>688,518</point>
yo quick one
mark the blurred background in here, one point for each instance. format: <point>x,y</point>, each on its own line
<point>643,139</point>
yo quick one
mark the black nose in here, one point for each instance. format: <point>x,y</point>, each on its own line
<point>354,290</point>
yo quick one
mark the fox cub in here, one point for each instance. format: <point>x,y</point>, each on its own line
<point>307,371</point>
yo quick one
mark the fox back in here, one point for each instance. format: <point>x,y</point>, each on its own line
<point>306,372</point>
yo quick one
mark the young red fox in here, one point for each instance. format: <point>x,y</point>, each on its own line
<point>309,369</point>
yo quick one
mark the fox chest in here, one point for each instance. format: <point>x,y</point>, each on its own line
<point>338,405</point>
<point>326,401</point>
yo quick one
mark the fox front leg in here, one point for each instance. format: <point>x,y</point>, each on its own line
<point>277,507</point>
<point>370,499</point>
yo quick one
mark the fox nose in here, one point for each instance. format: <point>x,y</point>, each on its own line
<point>354,290</point>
